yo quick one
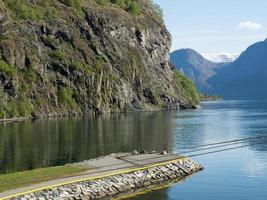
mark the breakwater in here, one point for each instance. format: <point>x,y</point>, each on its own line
<point>120,183</point>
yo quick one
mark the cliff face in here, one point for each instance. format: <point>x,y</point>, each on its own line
<point>58,59</point>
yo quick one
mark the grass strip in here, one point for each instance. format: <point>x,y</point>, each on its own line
<point>26,178</point>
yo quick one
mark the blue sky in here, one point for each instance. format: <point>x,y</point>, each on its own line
<point>215,26</point>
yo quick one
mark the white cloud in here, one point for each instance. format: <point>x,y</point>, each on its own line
<point>250,25</point>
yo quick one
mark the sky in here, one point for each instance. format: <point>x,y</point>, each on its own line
<point>215,26</point>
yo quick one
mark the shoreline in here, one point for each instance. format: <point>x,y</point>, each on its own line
<point>126,174</point>
<point>88,113</point>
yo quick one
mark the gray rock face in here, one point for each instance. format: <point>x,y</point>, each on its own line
<point>103,60</point>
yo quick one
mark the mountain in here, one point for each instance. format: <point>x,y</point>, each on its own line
<point>194,66</point>
<point>245,77</point>
<point>221,57</point>
<point>61,57</point>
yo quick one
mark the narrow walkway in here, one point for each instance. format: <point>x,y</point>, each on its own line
<point>99,168</point>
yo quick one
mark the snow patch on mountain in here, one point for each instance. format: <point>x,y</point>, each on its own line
<point>221,57</point>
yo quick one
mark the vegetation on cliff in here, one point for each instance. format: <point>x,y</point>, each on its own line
<point>59,57</point>
<point>43,9</point>
<point>187,88</point>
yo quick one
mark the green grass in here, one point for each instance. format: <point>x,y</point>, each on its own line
<point>21,179</point>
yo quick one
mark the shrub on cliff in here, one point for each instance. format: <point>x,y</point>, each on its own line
<point>22,9</point>
<point>156,8</point>
<point>39,10</point>
<point>65,96</point>
<point>6,68</point>
<point>134,8</point>
<point>120,3</point>
<point>77,4</point>
<point>57,55</point>
<point>71,3</point>
<point>131,6</point>
<point>103,2</point>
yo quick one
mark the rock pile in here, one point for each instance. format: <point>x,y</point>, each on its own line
<point>121,184</point>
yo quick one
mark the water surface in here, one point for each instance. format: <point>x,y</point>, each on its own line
<point>43,143</point>
<point>239,174</point>
<point>231,175</point>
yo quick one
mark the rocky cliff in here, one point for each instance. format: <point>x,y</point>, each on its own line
<point>60,57</point>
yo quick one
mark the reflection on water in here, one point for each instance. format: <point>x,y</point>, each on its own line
<point>42,143</point>
<point>230,175</point>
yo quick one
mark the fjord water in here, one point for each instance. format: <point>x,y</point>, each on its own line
<point>230,175</point>
<point>236,174</point>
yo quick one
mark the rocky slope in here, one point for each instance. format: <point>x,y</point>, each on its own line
<point>61,57</point>
<point>195,66</point>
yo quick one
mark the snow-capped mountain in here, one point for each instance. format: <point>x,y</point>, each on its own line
<point>231,77</point>
<point>245,77</point>
<point>221,57</point>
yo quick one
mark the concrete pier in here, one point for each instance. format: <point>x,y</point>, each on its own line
<point>111,177</point>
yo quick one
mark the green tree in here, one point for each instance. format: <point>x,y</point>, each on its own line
<point>127,3</point>
<point>134,8</point>
<point>156,8</point>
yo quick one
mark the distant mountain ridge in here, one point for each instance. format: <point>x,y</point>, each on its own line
<point>244,77</point>
<point>195,66</point>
